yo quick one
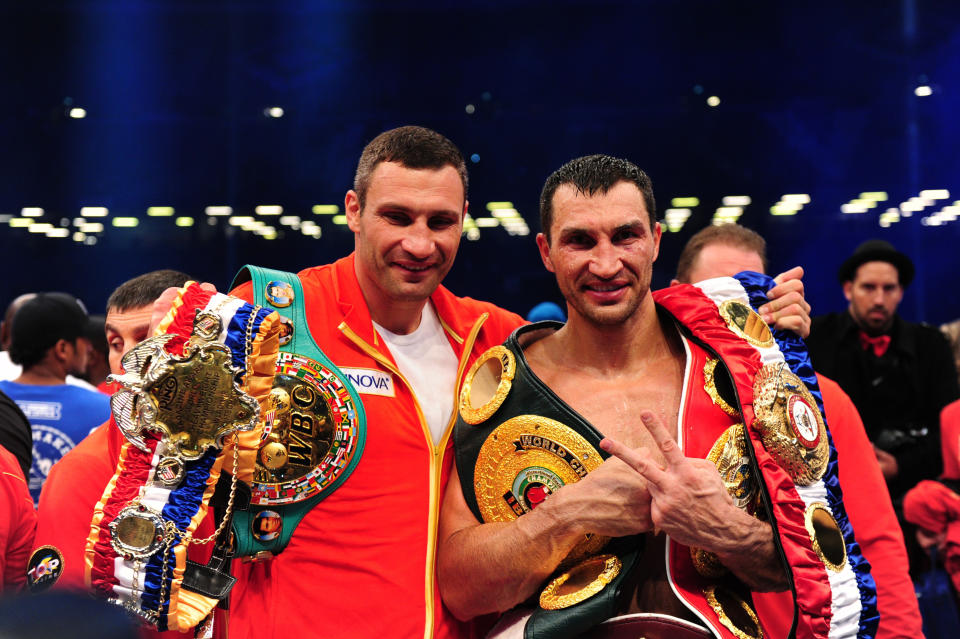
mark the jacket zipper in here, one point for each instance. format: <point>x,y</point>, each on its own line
<point>436,451</point>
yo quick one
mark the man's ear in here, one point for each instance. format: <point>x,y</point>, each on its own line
<point>61,350</point>
<point>544,246</point>
<point>657,233</point>
<point>351,206</point>
<point>674,282</point>
<point>848,290</point>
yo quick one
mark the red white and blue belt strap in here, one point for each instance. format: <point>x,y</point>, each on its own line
<point>189,408</point>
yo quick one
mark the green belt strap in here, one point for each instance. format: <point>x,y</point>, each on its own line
<point>245,544</point>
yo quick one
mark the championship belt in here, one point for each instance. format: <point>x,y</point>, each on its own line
<point>189,407</point>
<point>314,429</point>
<point>516,443</point>
<point>779,464</point>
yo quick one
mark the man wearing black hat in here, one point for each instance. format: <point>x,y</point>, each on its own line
<point>47,340</point>
<point>899,374</point>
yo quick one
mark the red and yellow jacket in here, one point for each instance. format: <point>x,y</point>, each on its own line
<point>361,563</point>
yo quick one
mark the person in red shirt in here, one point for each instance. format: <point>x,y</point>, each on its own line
<point>18,521</point>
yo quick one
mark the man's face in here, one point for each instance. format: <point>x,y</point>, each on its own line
<point>408,231</point>
<point>126,329</point>
<point>874,295</point>
<point>602,251</point>
<point>723,260</point>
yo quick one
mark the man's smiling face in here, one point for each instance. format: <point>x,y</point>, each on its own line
<point>408,231</point>
<point>602,251</point>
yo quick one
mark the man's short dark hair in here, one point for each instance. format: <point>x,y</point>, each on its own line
<point>414,147</point>
<point>727,234</point>
<point>591,174</point>
<point>42,322</point>
<point>144,289</point>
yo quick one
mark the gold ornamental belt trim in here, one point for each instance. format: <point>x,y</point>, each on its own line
<point>734,613</point>
<point>745,322</point>
<point>487,384</point>
<point>580,582</point>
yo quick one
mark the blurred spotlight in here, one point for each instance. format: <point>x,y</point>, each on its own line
<point>273,112</point>
<point>923,90</point>
<point>93,211</point>
<point>475,158</point>
<point>31,211</point>
<point>698,89</point>
<point>184,221</point>
<point>713,101</point>
<point>486,96</point>
<point>470,109</point>
<point>77,113</point>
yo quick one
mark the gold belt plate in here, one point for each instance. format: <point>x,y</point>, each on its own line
<point>526,459</point>
<point>193,399</point>
<point>790,424</point>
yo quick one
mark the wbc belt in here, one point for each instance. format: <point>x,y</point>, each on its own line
<point>314,429</point>
<point>516,443</point>
<point>189,407</point>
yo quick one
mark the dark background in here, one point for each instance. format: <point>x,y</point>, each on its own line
<point>816,98</point>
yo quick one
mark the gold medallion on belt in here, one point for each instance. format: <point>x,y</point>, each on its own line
<point>745,322</point>
<point>729,455</point>
<point>487,384</point>
<point>790,424</point>
<point>525,460</point>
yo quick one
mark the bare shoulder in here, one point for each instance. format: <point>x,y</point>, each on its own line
<point>538,347</point>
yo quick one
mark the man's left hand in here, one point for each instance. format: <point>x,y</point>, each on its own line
<point>690,503</point>
<point>788,309</point>
<point>688,499</point>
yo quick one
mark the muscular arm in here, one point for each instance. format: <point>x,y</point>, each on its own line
<point>690,503</point>
<point>491,567</point>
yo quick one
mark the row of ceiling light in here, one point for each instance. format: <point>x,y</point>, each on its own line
<point>87,226</point>
<point>502,214</point>
<point>790,204</point>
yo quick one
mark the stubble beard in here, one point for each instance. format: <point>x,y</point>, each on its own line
<point>872,328</point>
<point>605,316</point>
